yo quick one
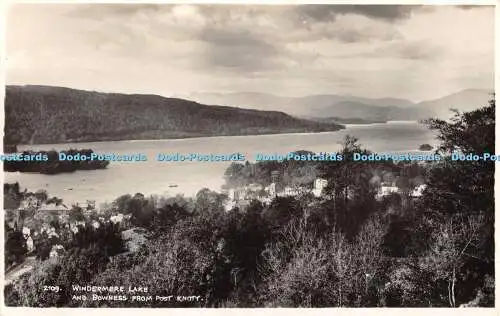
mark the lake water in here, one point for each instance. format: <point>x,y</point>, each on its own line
<point>154,177</point>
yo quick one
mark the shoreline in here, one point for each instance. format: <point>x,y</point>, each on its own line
<point>176,139</point>
<point>345,126</point>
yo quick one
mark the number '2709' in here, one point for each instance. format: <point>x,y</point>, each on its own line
<point>51,288</point>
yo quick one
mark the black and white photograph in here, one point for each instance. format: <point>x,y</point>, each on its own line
<point>174,155</point>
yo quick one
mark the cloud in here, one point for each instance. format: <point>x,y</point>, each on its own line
<point>400,51</point>
<point>238,49</point>
<point>92,11</point>
<point>475,7</point>
<point>330,12</point>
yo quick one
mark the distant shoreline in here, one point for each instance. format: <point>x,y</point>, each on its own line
<point>344,126</point>
<point>179,138</point>
<point>381,123</point>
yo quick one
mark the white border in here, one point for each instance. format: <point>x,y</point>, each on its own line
<point>250,311</point>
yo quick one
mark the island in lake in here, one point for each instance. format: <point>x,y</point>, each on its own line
<point>50,164</point>
<point>425,147</point>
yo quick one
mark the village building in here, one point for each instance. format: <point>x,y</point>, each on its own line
<point>291,191</point>
<point>96,224</point>
<point>56,251</point>
<point>319,185</point>
<point>26,232</point>
<point>30,245</point>
<point>118,218</point>
<point>386,189</point>
<point>241,197</point>
<point>418,191</point>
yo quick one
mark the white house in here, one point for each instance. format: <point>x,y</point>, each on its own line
<point>231,193</point>
<point>26,232</point>
<point>116,218</point>
<point>271,189</point>
<point>29,244</point>
<point>254,187</point>
<point>386,190</point>
<point>417,192</point>
<point>56,251</point>
<point>319,185</point>
<point>229,205</point>
<point>289,191</point>
<point>52,232</point>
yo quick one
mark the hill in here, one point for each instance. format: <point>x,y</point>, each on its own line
<point>313,106</point>
<point>464,101</point>
<point>351,108</point>
<point>44,114</point>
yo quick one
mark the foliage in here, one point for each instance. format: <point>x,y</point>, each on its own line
<point>38,114</point>
<point>88,257</point>
<point>15,246</point>
<point>459,199</point>
<point>344,249</point>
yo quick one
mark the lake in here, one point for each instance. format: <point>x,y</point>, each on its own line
<point>170,178</point>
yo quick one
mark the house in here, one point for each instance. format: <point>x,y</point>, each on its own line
<point>230,194</point>
<point>26,232</point>
<point>277,189</point>
<point>385,190</point>
<point>271,189</point>
<point>77,223</point>
<point>52,233</point>
<point>242,203</point>
<point>30,202</point>
<point>30,244</point>
<point>74,226</point>
<point>241,197</point>
<point>56,251</point>
<point>116,218</point>
<point>319,185</point>
<point>290,191</point>
<point>229,205</point>
<point>418,191</point>
<point>254,187</point>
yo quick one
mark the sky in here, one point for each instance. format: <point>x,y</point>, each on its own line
<point>412,52</point>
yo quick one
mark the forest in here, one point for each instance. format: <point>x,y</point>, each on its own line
<point>49,115</point>
<point>347,250</point>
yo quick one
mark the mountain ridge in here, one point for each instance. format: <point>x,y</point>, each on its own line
<point>52,114</point>
<point>349,106</point>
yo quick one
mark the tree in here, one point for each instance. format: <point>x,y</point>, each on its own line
<point>15,247</point>
<point>207,200</point>
<point>140,208</point>
<point>459,203</point>
<point>457,239</point>
<point>350,188</point>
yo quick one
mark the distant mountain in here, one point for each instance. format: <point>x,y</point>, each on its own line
<point>260,101</point>
<point>464,101</point>
<point>44,114</point>
<point>313,106</point>
<point>350,107</point>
